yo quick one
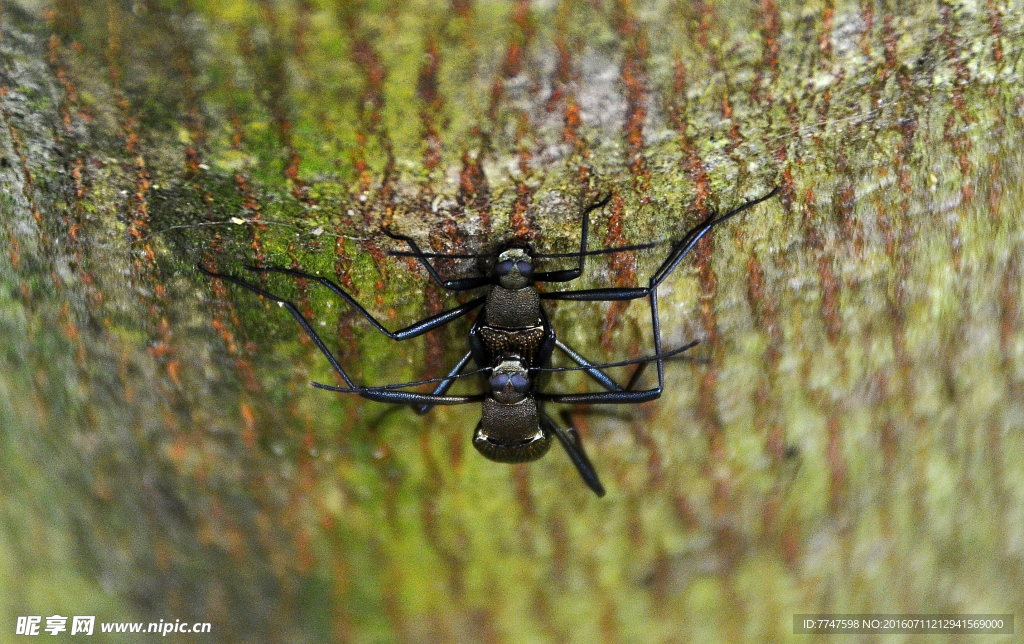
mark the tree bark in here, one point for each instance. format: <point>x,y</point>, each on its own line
<point>845,439</point>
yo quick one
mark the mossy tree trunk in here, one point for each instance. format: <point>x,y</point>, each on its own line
<point>848,437</point>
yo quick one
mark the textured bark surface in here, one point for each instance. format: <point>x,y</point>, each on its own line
<point>848,437</point>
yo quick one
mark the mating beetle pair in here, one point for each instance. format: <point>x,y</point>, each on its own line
<point>513,339</point>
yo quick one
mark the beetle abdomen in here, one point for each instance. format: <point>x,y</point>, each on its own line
<point>513,433</point>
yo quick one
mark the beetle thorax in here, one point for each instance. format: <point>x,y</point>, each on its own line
<point>511,433</point>
<point>512,309</point>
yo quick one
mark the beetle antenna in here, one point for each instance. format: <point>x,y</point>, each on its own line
<point>596,251</point>
<point>402,385</point>
<point>623,363</point>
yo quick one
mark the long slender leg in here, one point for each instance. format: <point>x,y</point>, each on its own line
<point>599,294</point>
<point>547,276</point>
<point>621,397</point>
<point>601,377</point>
<point>570,274</point>
<point>547,346</point>
<point>656,324</point>
<point>679,250</point>
<point>636,376</point>
<point>464,284</point>
<point>411,331</point>
<point>371,393</point>
<point>609,250</point>
<point>447,383</point>
<point>629,395</point>
<point>570,440</point>
<point>674,353</point>
<point>602,397</point>
<point>402,397</point>
<point>299,317</point>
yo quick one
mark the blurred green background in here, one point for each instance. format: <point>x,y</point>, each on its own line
<point>846,438</point>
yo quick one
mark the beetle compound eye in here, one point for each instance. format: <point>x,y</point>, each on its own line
<point>503,268</point>
<point>520,383</point>
<point>499,381</point>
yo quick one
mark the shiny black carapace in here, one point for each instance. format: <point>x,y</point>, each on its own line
<point>512,340</point>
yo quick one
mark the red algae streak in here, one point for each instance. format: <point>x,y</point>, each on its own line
<point>437,346</point>
<point>342,267</point>
<point>474,191</point>
<point>830,294</point>
<point>684,510</point>
<point>623,269</point>
<point>509,69</point>
<point>251,208</point>
<point>867,15</point>
<point>521,476</point>
<point>519,220</point>
<point>370,110</point>
<point>656,476</point>
<point>996,28</point>
<point>677,108</point>
<point>907,127</point>
<point>692,163</point>
<point>845,203</point>
<point>563,76</point>
<point>888,434</point>
<point>139,208</point>
<point>633,77</point>
<point>768,415</point>
<point>463,8</point>
<point>1010,310</point>
<point>272,73</point>
<point>960,116</point>
<point>771,31</point>
<point>512,63</point>
<point>765,310</point>
<point>70,97</point>
<point>708,286</point>
<point>432,104</point>
<point>571,125</point>
<point>378,211</point>
<point>735,136</point>
<point>829,282</point>
<point>837,464</point>
<point>565,82</point>
<point>698,176</point>
<point>825,37</point>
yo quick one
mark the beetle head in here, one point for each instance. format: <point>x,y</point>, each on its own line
<point>510,380</point>
<point>514,268</point>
